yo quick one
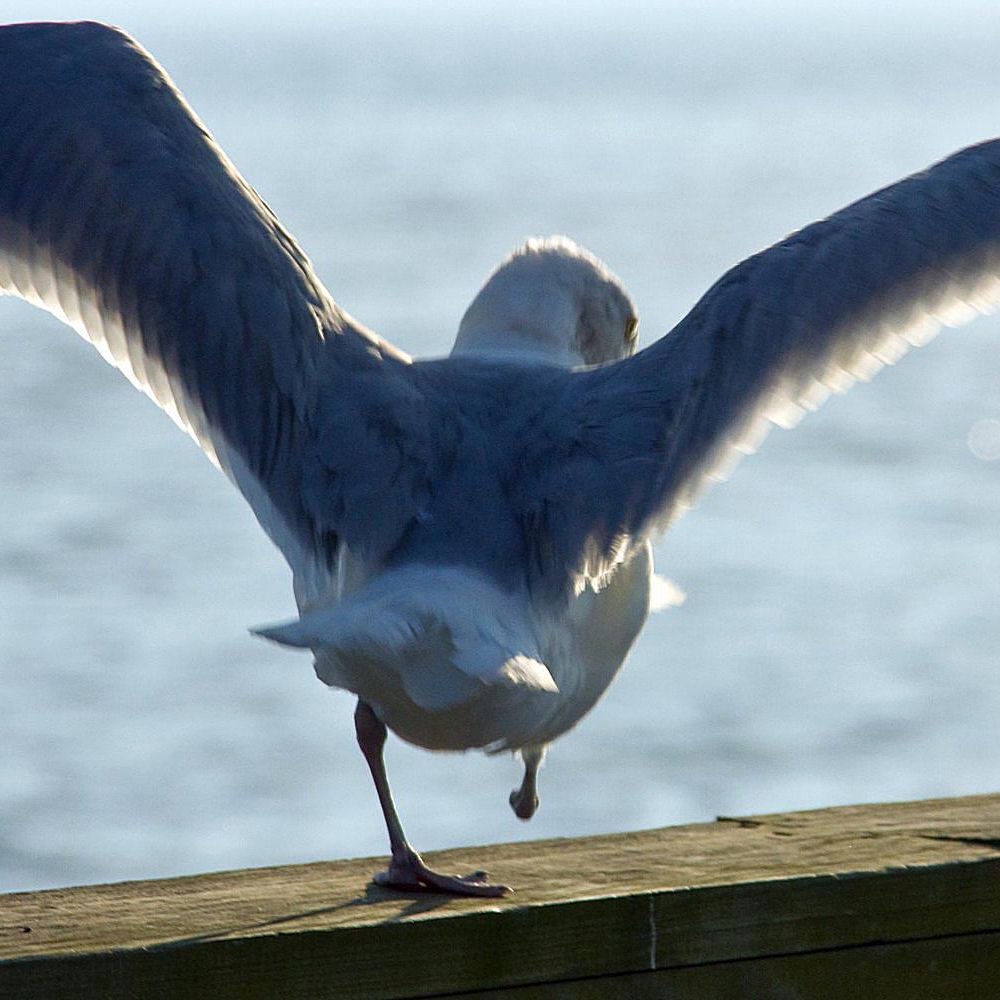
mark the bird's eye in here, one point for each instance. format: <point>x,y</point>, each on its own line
<point>631,329</point>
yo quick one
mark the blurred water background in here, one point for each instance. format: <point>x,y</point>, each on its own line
<point>840,638</point>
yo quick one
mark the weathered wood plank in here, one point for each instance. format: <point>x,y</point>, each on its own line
<point>958,968</point>
<point>761,890</point>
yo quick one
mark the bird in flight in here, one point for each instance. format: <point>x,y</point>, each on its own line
<point>469,536</point>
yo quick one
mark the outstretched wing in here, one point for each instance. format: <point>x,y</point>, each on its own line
<point>120,215</point>
<point>628,445</point>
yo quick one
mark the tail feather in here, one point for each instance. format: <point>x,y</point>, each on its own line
<point>439,643</point>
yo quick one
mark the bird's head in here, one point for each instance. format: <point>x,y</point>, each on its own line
<point>550,301</point>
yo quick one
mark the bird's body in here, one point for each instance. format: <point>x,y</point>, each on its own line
<point>414,643</point>
<point>422,635</point>
<point>468,536</point>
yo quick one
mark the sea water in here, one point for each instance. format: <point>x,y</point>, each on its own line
<point>840,638</point>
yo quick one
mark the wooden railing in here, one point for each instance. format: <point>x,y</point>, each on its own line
<point>866,901</point>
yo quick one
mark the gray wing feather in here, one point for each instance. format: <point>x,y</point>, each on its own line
<point>120,215</point>
<point>629,445</point>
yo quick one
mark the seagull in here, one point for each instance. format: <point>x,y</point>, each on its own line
<point>468,536</point>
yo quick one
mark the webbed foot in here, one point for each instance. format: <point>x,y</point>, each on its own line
<point>409,873</point>
<point>524,802</point>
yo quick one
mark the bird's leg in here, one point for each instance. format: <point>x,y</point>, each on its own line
<point>524,800</point>
<point>406,869</point>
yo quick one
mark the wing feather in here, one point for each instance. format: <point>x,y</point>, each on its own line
<point>121,216</point>
<point>629,445</point>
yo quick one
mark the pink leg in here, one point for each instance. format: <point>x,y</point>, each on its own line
<point>406,869</point>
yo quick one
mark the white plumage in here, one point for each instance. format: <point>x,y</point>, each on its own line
<point>469,536</point>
